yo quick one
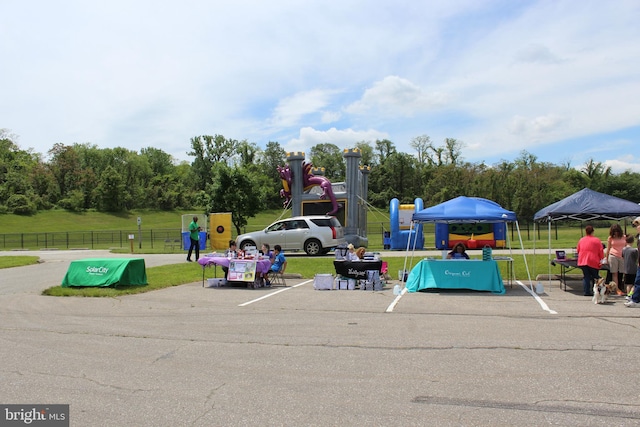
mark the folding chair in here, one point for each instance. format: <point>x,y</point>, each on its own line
<point>384,269</point>
<point>277,278</point>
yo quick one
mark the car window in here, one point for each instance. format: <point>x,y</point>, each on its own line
<point>277,226</point>
<point>301,224</point>
<point>322,222</point>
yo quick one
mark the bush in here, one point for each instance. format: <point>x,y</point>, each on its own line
<point>21,205</point>
<point>74,203</point>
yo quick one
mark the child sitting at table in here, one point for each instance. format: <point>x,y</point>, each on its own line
<point>458,252</point>
<point>230,253</point>
<point>279,262</point>
<point>267,253</point>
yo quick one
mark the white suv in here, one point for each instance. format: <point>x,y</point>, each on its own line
<point>315,235</point>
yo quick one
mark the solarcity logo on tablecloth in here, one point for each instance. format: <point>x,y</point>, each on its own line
<point>96,271</point>
<point>458,273</point>
<point>34,415</point>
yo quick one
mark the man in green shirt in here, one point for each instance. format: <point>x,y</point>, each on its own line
<point>194,237</point>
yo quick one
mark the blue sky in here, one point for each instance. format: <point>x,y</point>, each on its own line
<point>559,79</point>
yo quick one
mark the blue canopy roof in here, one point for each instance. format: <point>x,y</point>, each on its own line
<point>465,209</point>
<point>587,205</point>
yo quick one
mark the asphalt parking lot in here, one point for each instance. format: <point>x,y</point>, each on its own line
<point>194,356</point>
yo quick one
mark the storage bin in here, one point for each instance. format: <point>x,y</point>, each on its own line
<point>216,283</point>
<point>323,282</point>
<point>342,284</point>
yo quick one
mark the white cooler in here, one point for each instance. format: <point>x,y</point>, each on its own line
<point>323,282</point>
<point>216,283</point>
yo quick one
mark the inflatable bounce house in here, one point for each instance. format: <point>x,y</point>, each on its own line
<point>472,235</point>
<point>311,193</point>
<point>401,232</point>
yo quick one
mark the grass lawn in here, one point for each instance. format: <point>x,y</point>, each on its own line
<point>563,236</point>
<point>179,274</point>
<point>17,261</point>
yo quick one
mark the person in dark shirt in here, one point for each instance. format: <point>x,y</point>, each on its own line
<point>459,251</point>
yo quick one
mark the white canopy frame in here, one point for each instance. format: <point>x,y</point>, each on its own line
<point>411,246</point>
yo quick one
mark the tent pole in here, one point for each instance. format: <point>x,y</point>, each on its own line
<point>406,254</point>
<point>524,256</point>
<point>549,245</point>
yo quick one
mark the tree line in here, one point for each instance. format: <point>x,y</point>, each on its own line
<point>228,175</point>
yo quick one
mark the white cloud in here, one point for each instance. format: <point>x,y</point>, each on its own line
<point>291,110</point>
<point>532,128</point>
<point>536,53</point>
<point>627,162</point>
<point>345,138</point>
<point>396,96</point>
<point>499,76</point>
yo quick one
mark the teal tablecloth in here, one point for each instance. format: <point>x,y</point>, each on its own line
<point>456,274</point>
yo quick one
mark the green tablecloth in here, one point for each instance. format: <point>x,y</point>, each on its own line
<point>105,272</point>
<point>456,274</point>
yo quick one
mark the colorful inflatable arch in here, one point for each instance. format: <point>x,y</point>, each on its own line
<point>473,235</point>
<point>401,232</point>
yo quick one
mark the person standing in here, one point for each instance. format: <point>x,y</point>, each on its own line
<point>635,296</point>
<point>630,256</point>
<point>615,244</point>
<point>590,253</point>
<point>194,238</point>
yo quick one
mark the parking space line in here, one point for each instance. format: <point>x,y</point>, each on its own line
<point>544,306</point>
<point>273,293</point>
<point>395,301</point>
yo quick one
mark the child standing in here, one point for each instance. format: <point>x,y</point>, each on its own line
<point>630,256</point>
<point>615,244</point>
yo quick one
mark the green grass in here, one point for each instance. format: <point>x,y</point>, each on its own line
<point>564,235</point>
<point>178,274</point>
<point>158,278</point>
<point>17,261</point>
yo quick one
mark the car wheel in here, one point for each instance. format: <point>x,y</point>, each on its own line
<point>246,243</point>
<point>313,247</point>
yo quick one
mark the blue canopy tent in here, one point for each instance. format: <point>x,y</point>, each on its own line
<point>467,210</point>
<point>585,205</point>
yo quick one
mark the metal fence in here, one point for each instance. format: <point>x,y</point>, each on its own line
<point>159,238</point>
<point>169,239</point>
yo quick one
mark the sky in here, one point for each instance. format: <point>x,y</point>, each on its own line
<point>559,79</point>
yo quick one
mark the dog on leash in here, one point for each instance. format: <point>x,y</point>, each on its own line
<point>602,290</point>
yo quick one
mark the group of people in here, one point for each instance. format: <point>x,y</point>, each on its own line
<point>354,254</point>
<point>276,257</point>
<point>618,254</point>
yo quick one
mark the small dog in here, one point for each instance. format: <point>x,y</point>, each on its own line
<point>602,290</point>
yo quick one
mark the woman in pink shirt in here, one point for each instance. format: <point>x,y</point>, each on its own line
<point>615,243</point>
<point>590,253</point>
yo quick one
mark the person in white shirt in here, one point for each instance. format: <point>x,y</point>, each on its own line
<point>351,253</point>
